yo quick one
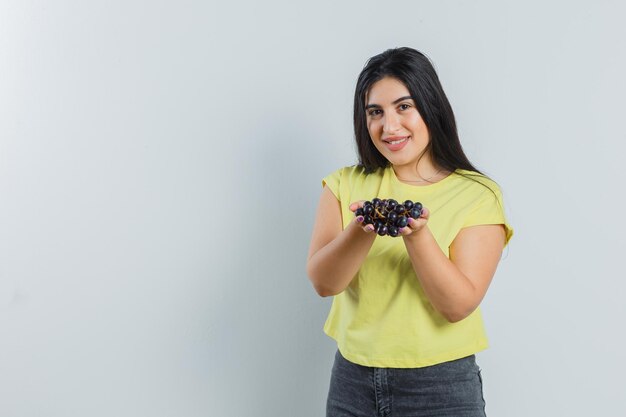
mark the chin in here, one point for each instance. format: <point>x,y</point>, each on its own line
<point>398,162</point>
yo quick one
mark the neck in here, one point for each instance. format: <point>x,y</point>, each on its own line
<point>425,171</point>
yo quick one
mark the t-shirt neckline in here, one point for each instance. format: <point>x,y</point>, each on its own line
<point>420,187</point>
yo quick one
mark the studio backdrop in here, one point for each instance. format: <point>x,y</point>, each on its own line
<point>160,167</point>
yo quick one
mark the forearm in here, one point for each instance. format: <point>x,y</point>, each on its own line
<point>332,268</point>
<point>448,289</point>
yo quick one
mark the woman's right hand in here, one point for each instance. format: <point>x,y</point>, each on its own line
<point>336,253</point>
<point>358,220</point>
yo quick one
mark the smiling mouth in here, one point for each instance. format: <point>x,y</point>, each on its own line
<point>396,141</point>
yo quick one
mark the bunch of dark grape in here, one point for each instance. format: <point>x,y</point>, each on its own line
<point>388,216</point>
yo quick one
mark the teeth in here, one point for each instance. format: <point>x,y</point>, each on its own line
<point>394,142</point>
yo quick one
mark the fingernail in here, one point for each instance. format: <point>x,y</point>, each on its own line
<point>370,227</point>
<point>359,219</point>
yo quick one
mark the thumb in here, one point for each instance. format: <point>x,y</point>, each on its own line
<point>356,205</point>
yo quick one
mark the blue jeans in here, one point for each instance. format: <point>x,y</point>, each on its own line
<point>449,389</point>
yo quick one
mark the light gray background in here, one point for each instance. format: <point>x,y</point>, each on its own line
<point>160,166</point>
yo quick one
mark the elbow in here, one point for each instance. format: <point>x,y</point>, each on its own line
<point>455,316</point>
<point>323,292</point>
<point>460,309</point>
<point>321,289</point>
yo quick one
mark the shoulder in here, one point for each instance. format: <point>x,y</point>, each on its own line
<point>484,203</point>
<point>351,174</point>
<point>350,170</point>
<point>477,184</point>
<point>343,182</point>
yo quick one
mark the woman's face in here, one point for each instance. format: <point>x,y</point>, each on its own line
<point>394,124</point>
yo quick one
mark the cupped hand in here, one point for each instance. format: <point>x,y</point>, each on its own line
<point>358,220</point>
<point>415,225</point>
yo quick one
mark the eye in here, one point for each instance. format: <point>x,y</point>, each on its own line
<point>373,112</point>
<point>406,106</point>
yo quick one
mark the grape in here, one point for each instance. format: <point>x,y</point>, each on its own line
<point>402,221</point>
<point>387,215</point>
<point>415,213</point>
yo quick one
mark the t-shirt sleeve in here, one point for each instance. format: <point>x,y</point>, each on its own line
<point>332,182</point>
<point>490,210</point>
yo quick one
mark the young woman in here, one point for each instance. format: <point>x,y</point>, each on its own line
<point>405,312</point>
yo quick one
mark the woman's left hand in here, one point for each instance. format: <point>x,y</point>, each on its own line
<point>415,225</point>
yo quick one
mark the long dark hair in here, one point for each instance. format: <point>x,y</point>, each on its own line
<point>416,72</point>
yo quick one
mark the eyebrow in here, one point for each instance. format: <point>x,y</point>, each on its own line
<point>369,106</point>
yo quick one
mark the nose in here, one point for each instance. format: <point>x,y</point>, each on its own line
<point>391,122</point>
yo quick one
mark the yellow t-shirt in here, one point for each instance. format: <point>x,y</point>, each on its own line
<point>383,318</point>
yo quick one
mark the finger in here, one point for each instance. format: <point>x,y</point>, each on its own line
<point>366,227</point>
<point>425,213</point>
<point>356,205</point>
